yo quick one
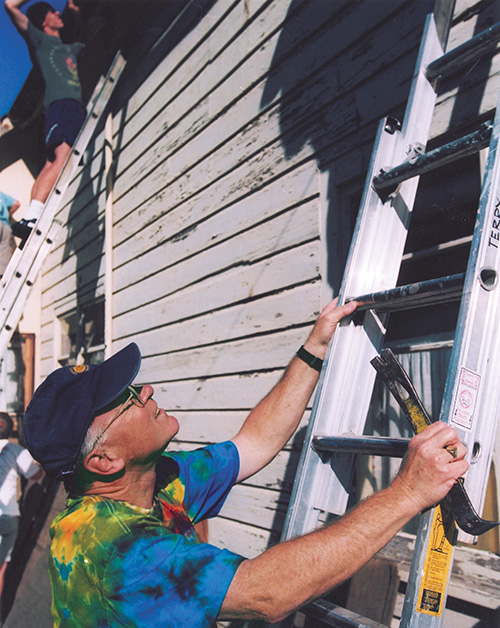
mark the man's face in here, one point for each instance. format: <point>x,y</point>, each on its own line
<point>141,433</point>
<point>53,20</point>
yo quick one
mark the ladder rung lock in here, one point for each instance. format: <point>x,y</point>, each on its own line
<point>29,283</point>
<point>389,178</point>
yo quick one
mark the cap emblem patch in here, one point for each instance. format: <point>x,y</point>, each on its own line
<point>79,368</point>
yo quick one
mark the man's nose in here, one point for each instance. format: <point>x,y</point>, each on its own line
<point>147,391</point>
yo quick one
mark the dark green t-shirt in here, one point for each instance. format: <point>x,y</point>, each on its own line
<point>58,63</point>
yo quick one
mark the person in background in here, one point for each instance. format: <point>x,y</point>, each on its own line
<point>64,111</point>
<point>8,205</point>
<point>15,461</point>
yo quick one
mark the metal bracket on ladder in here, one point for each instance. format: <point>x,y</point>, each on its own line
<point>343,395</point>
<point>25,264</point>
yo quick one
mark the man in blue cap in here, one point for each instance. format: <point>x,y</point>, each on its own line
<point>124,551</point>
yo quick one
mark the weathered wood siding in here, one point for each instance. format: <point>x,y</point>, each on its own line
<point>238,164</point>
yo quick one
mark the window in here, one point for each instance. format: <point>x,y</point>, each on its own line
<point>82,336</point>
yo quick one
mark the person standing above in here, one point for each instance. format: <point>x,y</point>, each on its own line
<point>64,112</point>
<point>124,552</point>
<point>14,461</point>
<point>8,205</point>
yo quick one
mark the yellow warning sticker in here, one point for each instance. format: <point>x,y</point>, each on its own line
<point>432,596</point>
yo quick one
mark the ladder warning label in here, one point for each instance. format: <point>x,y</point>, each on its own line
<point>465,399</point>
<point>432,595</point>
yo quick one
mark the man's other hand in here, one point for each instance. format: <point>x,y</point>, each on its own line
<point>325,326</point>
<point>429,470</point>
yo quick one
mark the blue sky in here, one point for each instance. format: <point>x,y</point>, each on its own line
<point>15,63</point>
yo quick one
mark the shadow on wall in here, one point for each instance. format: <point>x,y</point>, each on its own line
<point>337,69</point>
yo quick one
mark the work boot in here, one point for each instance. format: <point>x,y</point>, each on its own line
<point>22,229</point>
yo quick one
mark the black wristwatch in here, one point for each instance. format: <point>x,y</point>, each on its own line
<point>310,359</point>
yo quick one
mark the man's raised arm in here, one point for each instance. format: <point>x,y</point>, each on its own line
<point>13,8</point>
<point>273,421</point>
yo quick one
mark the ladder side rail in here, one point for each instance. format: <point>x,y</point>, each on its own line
<point>477,344</point>
<point>410,618</point>
<point>475,356</point>
<point>24,288</point>
<point>333,384</point>
<point>373,264</point>
<point>25,265</point>
<point>376,256</point>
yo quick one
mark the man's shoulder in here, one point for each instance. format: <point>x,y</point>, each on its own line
<point>91,508</point>
<point>34,35</point>
<point>103,524</point>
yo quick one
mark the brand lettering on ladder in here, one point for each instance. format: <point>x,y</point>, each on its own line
<point>494,238</point>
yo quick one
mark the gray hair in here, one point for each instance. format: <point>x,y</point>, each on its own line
<point>79,481</point>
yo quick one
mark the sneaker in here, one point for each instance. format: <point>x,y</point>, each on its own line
<point>23,229</point>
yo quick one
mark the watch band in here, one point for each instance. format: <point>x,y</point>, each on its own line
<point>310,359</point>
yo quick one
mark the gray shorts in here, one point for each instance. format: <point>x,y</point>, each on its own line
<point>8,533</point>
<point>7,246</point>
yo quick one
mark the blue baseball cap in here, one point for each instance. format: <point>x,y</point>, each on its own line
<point>65,404</point>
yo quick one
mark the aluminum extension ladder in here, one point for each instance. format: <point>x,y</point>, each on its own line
<point>343,395</point>
<point>25,264</point>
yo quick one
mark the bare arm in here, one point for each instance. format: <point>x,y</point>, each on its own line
<point>315,563</point>
<point>13,8</point>
<point>73,6</point>
<point>14,207</point>
<point>272,422</point>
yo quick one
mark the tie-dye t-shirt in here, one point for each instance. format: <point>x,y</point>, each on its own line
<point>115,564</point>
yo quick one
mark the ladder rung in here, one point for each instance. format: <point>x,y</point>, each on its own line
<point>332,615</point>
<point>439,248</point>
<point>374,445</point>
<point>467,52</point>
<point>388,180</point>
<point>429,292</point>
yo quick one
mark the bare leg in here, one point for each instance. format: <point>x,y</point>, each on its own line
<point>2,574</point>
<point>49,173</point>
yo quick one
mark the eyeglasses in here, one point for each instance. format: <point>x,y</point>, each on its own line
<point>134,396</point>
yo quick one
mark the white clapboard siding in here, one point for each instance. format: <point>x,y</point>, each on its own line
<point>243,278</point>
<point>253,506</point>
<point>261,316</point>
<point>194,228</point>
<point>245,355</point>
<point>246,540</point>
<point>213,426</point>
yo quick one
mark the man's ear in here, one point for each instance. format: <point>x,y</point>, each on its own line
<point>102,462</point>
